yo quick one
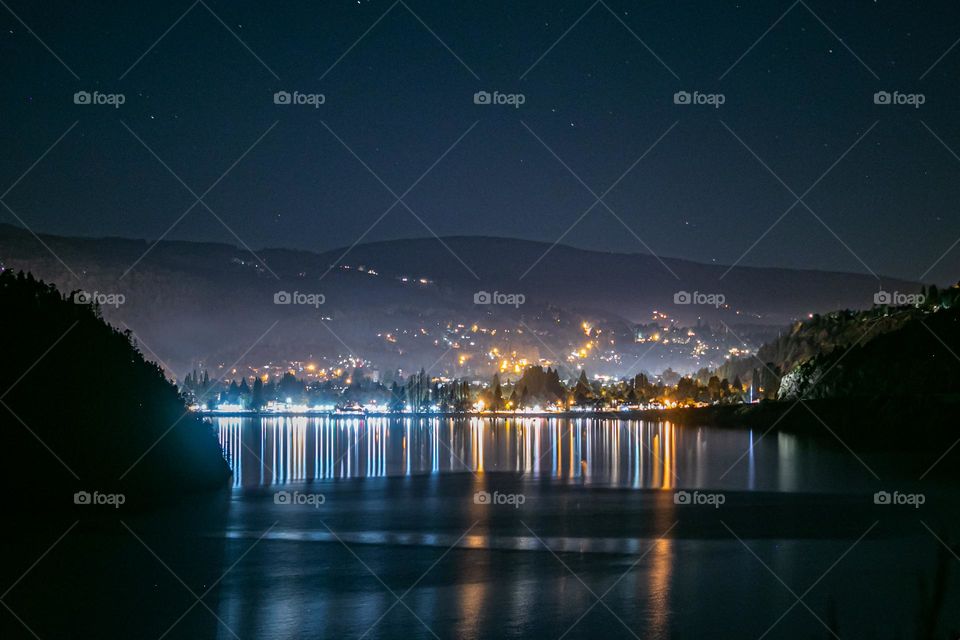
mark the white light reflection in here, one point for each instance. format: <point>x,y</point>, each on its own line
<point>608,452</point>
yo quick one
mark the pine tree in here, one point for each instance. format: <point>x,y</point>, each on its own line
<point>257,400</point>
<point>497,393</point>
<point>582,391</point>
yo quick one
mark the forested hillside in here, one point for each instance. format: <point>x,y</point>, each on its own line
<point>82,409</point>
<point>826,337</point>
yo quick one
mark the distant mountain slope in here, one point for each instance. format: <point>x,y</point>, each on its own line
<point>629,284</point>
<point>213,301</point>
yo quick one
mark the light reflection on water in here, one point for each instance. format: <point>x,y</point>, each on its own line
<point>606,452</point>
<point>295,449</point>
<point>495,572</point>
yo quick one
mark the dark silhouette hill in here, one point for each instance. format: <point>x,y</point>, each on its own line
<point>83,410</point>
<point>918,358</point>
<point>889,351</point>
<point>822,334</point>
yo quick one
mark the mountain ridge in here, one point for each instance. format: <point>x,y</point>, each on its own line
<point>208,302</point>
<point>7,229</point>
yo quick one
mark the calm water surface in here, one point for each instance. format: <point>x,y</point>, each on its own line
<point>595,452</point>
<point>514,528</point>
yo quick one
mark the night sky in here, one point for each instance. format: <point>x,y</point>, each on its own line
<point>598,80</point>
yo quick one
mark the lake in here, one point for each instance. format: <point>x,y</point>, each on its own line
<point>508,528</point>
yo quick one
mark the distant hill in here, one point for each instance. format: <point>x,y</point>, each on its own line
<point>819,335</point>
<point>882,379</point>
<point>83,410</point>
<point>209,301</point>
<point>917,358</point>
<point>882,351</point>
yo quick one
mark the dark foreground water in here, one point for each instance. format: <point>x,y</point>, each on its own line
<point>528,528</point>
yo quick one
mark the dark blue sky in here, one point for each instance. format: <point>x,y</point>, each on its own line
<point>399,98</point>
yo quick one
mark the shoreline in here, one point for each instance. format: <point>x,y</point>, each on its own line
<point>428,414</point>
<point>881,423</point>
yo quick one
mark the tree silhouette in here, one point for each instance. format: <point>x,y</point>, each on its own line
<point>133,434</point>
